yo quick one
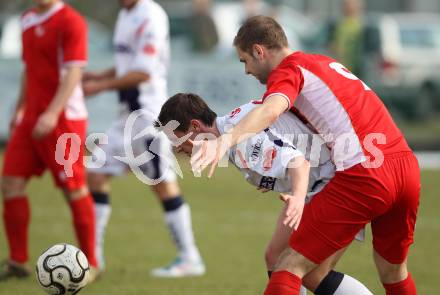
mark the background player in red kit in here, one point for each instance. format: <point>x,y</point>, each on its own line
<point>50,104</point>
<point>377,178</point>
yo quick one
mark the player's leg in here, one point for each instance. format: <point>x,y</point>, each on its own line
<point>329,223</point>
<point>67,141</point>
<point>83,215</point>
<point>277,244</point>
<point>99,177</point>
<point>323,280</point>
<point>21,161</point>
<point>99,186</point>
<point>288,273</point>
<point>16,218</point>
<point>178,219</point>
<point>393,231</point>
<point>293,269</point>
<point>395,277</point>
<point>177,213</point>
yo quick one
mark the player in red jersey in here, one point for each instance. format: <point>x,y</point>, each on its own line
<point>50,105</point>
<point>377,178</point>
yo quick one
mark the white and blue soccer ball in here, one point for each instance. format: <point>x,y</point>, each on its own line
<point>62,269</point>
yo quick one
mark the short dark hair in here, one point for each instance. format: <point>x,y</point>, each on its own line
<point>184,107</point>
<point>262,30</point>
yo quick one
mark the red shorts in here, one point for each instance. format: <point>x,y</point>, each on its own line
<point>387,196</point>
<point>26,156</point>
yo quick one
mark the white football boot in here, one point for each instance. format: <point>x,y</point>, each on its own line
<point>180,268</point>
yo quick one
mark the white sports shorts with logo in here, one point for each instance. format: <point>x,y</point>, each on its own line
<point>135,145</point>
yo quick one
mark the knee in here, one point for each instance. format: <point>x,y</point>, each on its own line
<point>76,194</point>
<point>393,274</point>
<point>270,257</point>
<point>12,187</point>
<point>97,182</point>
<point>390,273</point>
<point>166,190</point>
<point>294,262</point>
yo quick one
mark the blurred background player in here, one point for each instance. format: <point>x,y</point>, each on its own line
<point>141,42</point>
<point>50,104</point>
<point>289,150</point>
<point>203,34</point>
<point>346,36</point>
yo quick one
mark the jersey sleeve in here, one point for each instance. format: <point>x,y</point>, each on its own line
<point>286,81</point>
<point>147,48</point>
<point>74,40</point>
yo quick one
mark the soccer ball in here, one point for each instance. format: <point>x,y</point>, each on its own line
<point>62,269</point>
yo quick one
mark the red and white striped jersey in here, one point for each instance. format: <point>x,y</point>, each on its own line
<point>347,114</point>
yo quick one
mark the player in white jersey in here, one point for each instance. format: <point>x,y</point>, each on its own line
<point>263,159</point>
<point>141,43</point>
<point>269,160</point>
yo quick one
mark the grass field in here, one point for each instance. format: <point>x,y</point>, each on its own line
<point>232,223</point>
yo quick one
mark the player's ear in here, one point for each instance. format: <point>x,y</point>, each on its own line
<point>194,125</point>
<point>257,51</point>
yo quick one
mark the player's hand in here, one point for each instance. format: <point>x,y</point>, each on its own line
<point>203,152</point>
<point>92,87</point>
<point>294,210</point>
<point>209,152</point>
<point>46,123</point>
<point>263,190</point>
<point>16,118</point>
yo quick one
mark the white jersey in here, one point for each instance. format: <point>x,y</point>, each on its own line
<point>141,44</point>
<point>264,158</point>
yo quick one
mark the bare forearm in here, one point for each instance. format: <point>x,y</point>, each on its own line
<point>131,79</point>
<point>108,74</point>
<point>68,83</point>
<point>299,174</point>
<point>254,122</point>
<point>258,119</point>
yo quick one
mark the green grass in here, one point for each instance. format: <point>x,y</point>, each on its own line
<point>232,223</point>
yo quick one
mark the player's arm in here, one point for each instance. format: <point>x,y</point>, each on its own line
<point>105,74</point>
<point>129,80</point>
<point>259,118</point>
<point>254,122</point>
<point>49,118</point>
<point>19,108</point>
<point>299,169</point>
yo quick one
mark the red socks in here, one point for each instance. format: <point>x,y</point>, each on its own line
<point>16,217</point>
<point>405,287</point>
<point>83,212</point>
<point>283,283</point>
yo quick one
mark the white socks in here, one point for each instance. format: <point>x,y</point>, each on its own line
<point>179,224</point>
<point>351,286</point>
<point>102,215</point>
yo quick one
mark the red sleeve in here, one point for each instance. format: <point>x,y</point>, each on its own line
<point>286,81</point>
<point>74,41</point>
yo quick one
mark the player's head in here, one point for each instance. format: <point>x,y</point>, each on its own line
<point>128,3</point>
<point>192,113</point>
<point>44,3</point>
<point>352,7</point>
<point>257,40</point>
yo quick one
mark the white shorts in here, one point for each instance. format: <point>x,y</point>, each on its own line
<point>137,146</point>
